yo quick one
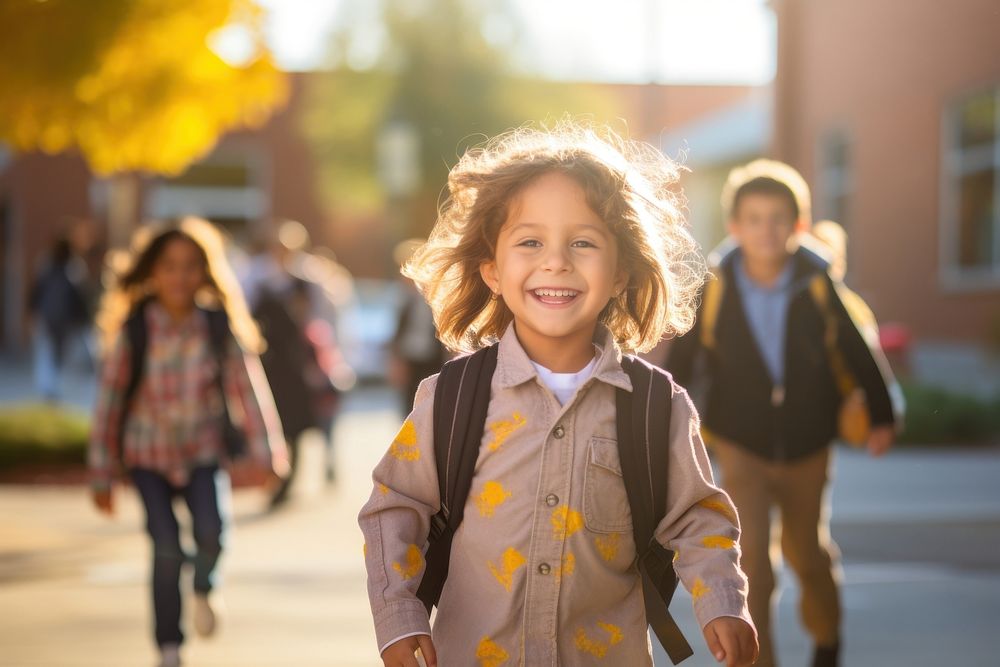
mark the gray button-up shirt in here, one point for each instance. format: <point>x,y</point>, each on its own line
<point>542,568</point>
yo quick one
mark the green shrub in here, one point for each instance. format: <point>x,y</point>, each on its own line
<point>938,416</point>
<point>42,435</point>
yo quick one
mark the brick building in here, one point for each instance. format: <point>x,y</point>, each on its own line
<point>251,178</point>
<point>891,109</point>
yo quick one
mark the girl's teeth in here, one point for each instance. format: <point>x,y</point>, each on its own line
<point>554,292</point>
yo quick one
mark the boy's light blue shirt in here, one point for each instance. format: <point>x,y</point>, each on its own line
<point>766,310</point>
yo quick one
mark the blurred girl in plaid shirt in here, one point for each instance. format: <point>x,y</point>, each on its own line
<point>181,395</point>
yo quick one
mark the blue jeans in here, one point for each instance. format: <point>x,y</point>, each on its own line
<point>207,498</point>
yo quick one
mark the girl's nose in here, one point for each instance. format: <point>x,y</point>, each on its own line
<point>556,259</point>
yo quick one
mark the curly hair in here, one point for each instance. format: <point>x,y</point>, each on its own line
<point>131,276</point>
<point>627,183</point>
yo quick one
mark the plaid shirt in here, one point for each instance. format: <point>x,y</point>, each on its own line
<point>175,421</point>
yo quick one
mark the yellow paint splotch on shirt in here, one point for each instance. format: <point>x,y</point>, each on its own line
<point>567,566</point>
<point>607,545</point>
<point>615,635</point>
<point>501,430</point>
<point>509,562</point>
<point>565,522</point>
<point>699,589</point>
<point>404,446</point>
<point>490,654</point>
<point>414,563</point>
<point>718,542</point>
<point>720,507</point>
<point>492,496</point>
<point>598,647</point>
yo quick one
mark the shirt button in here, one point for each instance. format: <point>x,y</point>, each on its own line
<point>552,500</point>
<point>544,568</point>
<point>559,432</point>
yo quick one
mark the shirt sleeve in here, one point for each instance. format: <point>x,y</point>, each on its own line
<point>247,389</point>
<point>874,378</point>
<point>105,433</point>
<point>382,648</point>
<point>396,521</point>
<point>701,526</point>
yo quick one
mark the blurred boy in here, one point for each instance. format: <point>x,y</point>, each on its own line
<point>772,401</point>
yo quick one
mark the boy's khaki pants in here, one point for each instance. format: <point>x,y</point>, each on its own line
<point>799,491</point>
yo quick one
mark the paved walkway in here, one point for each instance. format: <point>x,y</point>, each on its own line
<point>920,531</point>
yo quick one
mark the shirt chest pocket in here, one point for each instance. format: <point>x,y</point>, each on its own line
<point>605,502</point>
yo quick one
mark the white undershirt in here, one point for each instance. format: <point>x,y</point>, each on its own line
<point>564,385</point>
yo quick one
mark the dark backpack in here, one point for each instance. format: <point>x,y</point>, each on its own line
<point>218,334</point>
<point>461,399</point>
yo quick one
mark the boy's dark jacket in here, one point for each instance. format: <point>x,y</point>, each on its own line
<point>739,406</point>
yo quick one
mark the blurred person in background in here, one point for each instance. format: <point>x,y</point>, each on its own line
<point>761,342</point>
<point>299,362</point>
<point>181,363</point>
<point>297,294</point>
<point>416,353</point>
<point>60,312</point>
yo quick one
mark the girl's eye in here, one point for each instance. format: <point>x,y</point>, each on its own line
<point>583,243</point>
<point>530,243</point>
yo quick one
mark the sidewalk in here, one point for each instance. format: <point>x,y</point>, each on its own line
<point>920,532</point>
<point>294,580</point>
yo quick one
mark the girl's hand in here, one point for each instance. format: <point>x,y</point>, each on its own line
<point>732,640</point>
<point>880,440</point>
<point>403,652</point>
<point>104,500</point>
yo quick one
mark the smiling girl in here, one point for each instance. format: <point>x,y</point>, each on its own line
<point>565,248</point>
<point>181,347</point>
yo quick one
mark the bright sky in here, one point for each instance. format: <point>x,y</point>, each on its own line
<point>669,41</point>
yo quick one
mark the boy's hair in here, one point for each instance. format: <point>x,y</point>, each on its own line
<point>627,184</point>
<point>768,177</point>
<point>132,272</point>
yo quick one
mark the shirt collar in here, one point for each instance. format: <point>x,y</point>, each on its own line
<point>160,318</point>
<point>515,368</point>
<point>782,283</point>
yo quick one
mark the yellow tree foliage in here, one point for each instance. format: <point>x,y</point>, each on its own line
<point>132,84</point>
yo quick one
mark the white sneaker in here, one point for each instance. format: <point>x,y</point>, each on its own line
<point>170,655</point>
<point>204,616</point>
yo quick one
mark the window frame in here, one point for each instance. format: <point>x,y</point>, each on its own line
<point>957,162</point>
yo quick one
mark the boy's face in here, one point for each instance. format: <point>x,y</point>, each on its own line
<point>765,227</point>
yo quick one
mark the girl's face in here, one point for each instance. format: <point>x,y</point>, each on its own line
<point>556,264</point>
<point>178,274</point>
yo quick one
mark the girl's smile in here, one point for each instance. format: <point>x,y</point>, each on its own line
<point>552,296</point>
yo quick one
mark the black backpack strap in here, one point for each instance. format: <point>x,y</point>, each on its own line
<point>644,450</point>
<point>137,336</point>
<point>461,401</point>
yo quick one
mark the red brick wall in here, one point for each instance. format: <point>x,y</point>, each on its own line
<point>886,72</point>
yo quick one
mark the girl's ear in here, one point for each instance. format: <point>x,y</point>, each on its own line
<point>490,275</point>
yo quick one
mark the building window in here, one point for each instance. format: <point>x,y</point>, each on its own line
<point>971,198</point>
<point>228,188</point>
<point>836,179</point>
